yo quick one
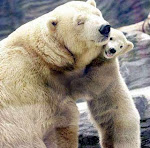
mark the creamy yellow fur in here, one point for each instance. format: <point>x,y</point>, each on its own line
<point>109,101</point>
<point>35,108</point>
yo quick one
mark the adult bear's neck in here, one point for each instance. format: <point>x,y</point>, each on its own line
<point>35,38</point>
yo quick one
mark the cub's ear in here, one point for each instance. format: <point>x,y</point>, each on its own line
<point>128,47</point>
<point>52,23</point>
<point>91,2</point>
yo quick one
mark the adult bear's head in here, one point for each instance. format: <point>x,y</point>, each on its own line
<point>75,32</point>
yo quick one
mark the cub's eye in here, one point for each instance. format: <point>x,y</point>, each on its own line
<point>121,46</point>
<point>111,38</point>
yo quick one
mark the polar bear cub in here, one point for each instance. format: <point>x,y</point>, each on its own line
<point>109,101</point>
<point>117,45</point>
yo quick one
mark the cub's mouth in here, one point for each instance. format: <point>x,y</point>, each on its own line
<point>110,53</point>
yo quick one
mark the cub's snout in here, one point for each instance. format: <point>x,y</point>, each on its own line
<point>112,50</point>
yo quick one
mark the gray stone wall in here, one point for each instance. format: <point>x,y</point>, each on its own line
<point>14,13</point>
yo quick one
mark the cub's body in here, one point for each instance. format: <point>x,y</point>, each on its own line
<point>109,101</point>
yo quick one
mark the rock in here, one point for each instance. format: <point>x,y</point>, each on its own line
<point>135,65</point>
<point>88,136</point>
<point>14,13</point>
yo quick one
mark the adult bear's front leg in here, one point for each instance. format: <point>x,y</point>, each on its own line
<point>65,137</point>
<point>65,126</point>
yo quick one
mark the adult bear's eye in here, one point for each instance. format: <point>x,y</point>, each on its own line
<point>80,23</point>
<point>111,38</point>
<point>121,46</point>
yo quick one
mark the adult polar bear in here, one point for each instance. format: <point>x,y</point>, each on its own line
<point>35,108</point>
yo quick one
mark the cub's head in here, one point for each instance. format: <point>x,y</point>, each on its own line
<point>117,45</point>
<point>80,28</point>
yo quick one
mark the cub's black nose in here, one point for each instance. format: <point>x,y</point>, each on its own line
<point>112,50</point>
<point>104,30</point>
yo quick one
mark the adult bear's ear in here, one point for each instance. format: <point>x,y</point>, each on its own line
<point>91,2</point>
<point>52,23</point>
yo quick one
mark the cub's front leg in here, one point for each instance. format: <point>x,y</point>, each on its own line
<point>116,117</point>
<point>79,88</point>
<point>85,87</point>
<point>64,137</point>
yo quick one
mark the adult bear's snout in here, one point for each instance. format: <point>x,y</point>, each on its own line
<point>105,30</point>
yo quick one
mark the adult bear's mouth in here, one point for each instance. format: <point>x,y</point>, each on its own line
<point>73,56</point>
<point>103,40</point>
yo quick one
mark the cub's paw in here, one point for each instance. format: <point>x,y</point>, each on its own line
<point>76,89</point>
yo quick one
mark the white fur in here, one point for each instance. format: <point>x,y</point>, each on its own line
<point>119,43</point>
<point>109,101</point>
<point>35,107</point>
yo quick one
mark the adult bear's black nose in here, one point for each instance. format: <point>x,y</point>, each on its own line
<point>112,50</point>
<point>105,30</point>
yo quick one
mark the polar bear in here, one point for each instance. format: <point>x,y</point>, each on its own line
<point>36,110</point>
<point>109,101</point>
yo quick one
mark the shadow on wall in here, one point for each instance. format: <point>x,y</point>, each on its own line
<point>14,13</point>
